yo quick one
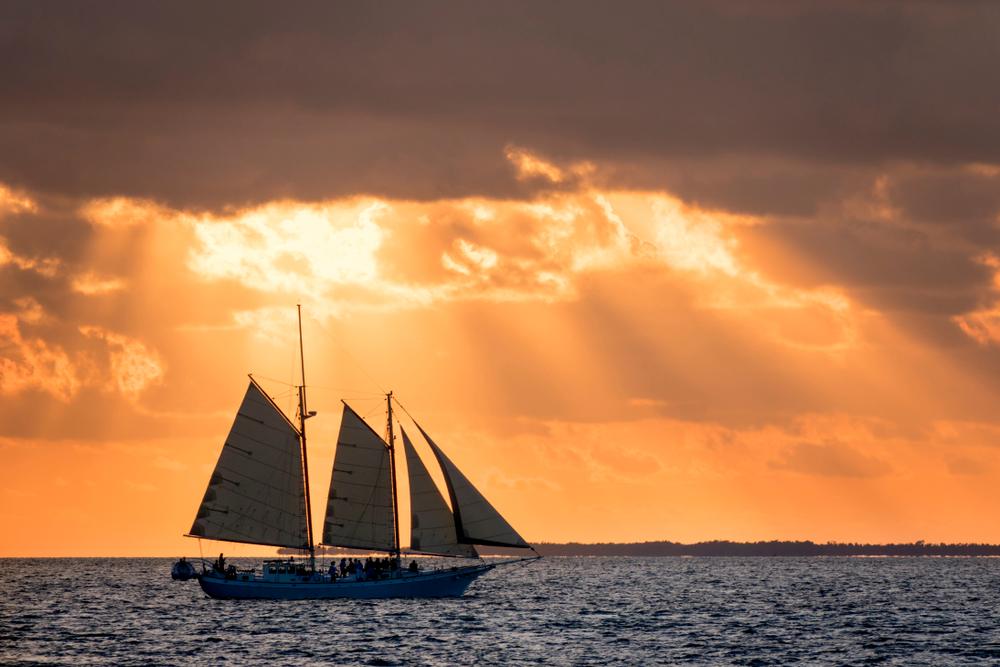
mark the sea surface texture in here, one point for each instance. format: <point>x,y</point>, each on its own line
<point>558,611</point>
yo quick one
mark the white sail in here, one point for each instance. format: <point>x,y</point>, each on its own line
<point>476,520</point>
<point>432,527</point>
<point>256,493</point>
<point>359,508</point>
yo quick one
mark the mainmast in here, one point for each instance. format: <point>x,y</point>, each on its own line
<point>303,416</point>
<point>390,438</point>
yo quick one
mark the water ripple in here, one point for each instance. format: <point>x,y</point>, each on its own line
<point>560,611</point>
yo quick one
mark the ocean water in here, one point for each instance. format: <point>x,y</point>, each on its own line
<point>558,611</point>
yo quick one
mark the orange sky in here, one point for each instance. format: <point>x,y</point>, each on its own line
<point>680,270</point>
<point>605,364</point>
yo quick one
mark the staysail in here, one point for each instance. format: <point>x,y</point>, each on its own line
<point>432,527</point>
<point>359,511</point>
<point>476,520</point>
<point>256,493</point>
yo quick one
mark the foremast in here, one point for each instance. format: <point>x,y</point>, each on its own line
<point>303,416</point>
<point>390,439</point>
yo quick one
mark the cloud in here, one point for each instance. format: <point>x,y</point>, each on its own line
<point>291,247</point>
<point>968,466</point>
<point>367,254</point>
<point>134,367</point>
<point>830,460</point>
<point>14,202</point>
<point>125,212</point>
<point>238,117</point>
<point>727,287</point>
<point>32,363</point>
<point>91,284</point>
<point>528,165</point>
<point>46,266</point>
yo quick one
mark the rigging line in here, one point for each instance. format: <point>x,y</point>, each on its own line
<point>403,408</point>
<point>361,399</point>
<point>357,363</point>
<point>347,389</point>
<point>369,414</point>
<point>270,379</point>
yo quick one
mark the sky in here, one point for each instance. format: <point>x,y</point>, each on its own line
<point>645,270</point>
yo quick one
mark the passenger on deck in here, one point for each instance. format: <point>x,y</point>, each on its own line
<point>413,566</point>
<point>333,571</point>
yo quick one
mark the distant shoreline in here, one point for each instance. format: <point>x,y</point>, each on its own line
<point>713,549</point>
<point>722,548</point>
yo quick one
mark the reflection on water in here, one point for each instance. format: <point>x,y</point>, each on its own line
<point>559,611</point>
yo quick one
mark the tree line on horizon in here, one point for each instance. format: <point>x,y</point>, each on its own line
<point>767,548</point>
<point>729,548</point>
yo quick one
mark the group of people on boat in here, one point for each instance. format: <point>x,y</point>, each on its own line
<point>220,567</point>
<point>371,569</point>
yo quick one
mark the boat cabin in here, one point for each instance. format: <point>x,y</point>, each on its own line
<point>285,571</point>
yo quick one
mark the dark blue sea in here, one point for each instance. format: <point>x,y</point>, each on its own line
<point>559,611</point>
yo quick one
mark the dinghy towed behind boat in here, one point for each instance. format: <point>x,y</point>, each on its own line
<point>259,494</point>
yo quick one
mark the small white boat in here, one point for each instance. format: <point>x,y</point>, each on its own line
<point>259,494</point>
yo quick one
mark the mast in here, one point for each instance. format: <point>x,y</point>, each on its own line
<point>391,439</point>
<point>303,416</point>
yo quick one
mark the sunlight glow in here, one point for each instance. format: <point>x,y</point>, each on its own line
<point>294,248</point>
<point>91,283</point>
<point>15,202</point>
<point>529,165</point>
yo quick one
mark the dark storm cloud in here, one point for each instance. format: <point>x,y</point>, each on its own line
<point>964,198</point>
<point>53,229</point>
<point>861,254</point>
<point>206,104</point>
<point>750,184</point>
<point>918,275</point>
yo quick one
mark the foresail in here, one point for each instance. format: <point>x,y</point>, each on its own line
<point>359,511</point>
<point>256,493</point>
<point>432,527</point>
<point>476,520</point>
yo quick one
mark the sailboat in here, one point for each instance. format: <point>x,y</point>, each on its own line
<point>258,493</point>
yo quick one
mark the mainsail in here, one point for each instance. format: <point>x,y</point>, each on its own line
<point>256,493</point>
<point>359,510</point>
<point>476,520</point>
<point>432,523</point>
